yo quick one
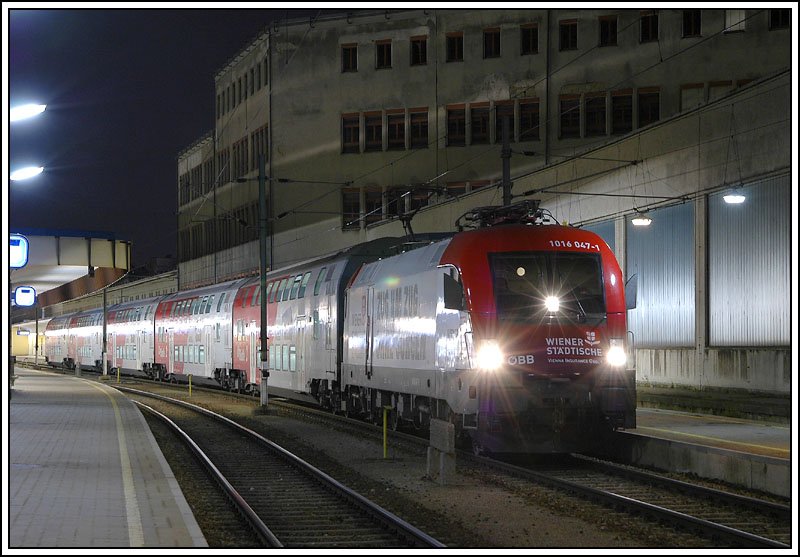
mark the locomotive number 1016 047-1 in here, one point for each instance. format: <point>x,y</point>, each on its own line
<point>571,244</point>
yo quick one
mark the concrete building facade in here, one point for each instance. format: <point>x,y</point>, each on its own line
<point>366,121</point>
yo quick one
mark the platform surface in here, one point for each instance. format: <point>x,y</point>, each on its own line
<point>84,470</point>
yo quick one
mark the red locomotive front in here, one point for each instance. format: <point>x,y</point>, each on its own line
<point>547,308</point>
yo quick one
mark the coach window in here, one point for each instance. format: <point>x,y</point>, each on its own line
<point>271,363</point>
<point>320,278</point>
<point>285,363</point>
<point>288,289</point>
<point>210,303</point>
<point>202,354</point>
<point>292,358</point>
<point>303,285</point>
<point>281,288</point>
<point>219,303</point>
<point>295,287</point>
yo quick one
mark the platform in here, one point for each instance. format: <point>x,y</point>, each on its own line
<point>84,470</point>
<point>747,453</point>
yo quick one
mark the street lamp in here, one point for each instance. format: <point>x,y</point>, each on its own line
<point>25,111</point>
<point>25,173</point>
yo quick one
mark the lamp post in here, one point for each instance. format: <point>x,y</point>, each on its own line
<point>262,244</point>
<point>263,232</point>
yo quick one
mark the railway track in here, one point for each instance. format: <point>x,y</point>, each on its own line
<point>725,519</point>
<point>288,502</point>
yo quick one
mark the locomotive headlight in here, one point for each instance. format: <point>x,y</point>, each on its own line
<point>551,303</point>
<point>616,353</point>
<point>489,356</point>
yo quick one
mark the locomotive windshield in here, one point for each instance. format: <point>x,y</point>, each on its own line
<point>533,286</point>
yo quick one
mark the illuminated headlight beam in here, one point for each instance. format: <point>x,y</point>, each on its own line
<point>551,303</point>
<point>616,355</point>
<point>489,356</point>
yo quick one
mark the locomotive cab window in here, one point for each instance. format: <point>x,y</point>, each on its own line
<point>533,286</point>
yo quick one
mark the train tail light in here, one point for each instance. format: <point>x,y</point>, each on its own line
<point>489,356</point>
<point>616,355</point>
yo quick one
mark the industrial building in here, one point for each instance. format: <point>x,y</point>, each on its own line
<point>378,123</point>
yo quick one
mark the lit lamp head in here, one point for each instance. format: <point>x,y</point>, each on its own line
<point>641,219</point>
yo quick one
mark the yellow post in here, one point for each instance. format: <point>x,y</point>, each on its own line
<point>117,374</point>
<point>190,384</point>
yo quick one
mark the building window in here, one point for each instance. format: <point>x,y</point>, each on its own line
<point>349,57</point>
<point>350,139</point>
<point>621,111</point>
<point>419,128</point>
<point>396,130</point>
<point>479,119</point>
<point>570,110</point>
<point>529,39</point>
<point>568,34</point>
<point>649,106</point>
<point>691,23</point>
<point>373,205</point>
<point>734,21</point>
<point>608,30</point>
<point>648,26</point>
<point>383,54</point>
<point>529,120</point>
<point>780,19</point>
<point>692,95</point>
<point>419,51</point>
<point>491,43</point>
<point>456,126</point>
<point>351,207</point>
<point>373,131</point>
<point>504,110</point>
<point>595,115</point>
<point>455,47</point>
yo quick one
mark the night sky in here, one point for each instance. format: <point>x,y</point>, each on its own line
<point>126,91</point>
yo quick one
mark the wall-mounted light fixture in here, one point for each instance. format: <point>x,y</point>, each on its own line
<point>735,196</point>
<point>641,219</point>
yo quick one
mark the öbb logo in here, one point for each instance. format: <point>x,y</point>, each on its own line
<point>521,360</point>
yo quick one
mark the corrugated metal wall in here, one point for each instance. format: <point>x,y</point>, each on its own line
<point>750,266</point>
<point>662,254</point>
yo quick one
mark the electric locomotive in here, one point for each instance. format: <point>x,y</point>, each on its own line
<point>515,332</point>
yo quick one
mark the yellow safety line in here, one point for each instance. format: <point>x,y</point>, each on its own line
<point>673,432</point>
<point>135,532</point>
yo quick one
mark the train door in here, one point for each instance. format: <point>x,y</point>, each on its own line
<point>138,348</point>
<point>170,350</point>
<point>329,346</point>
<point>369,331</point>
<point>255,341</point>
<point>300,346</point>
